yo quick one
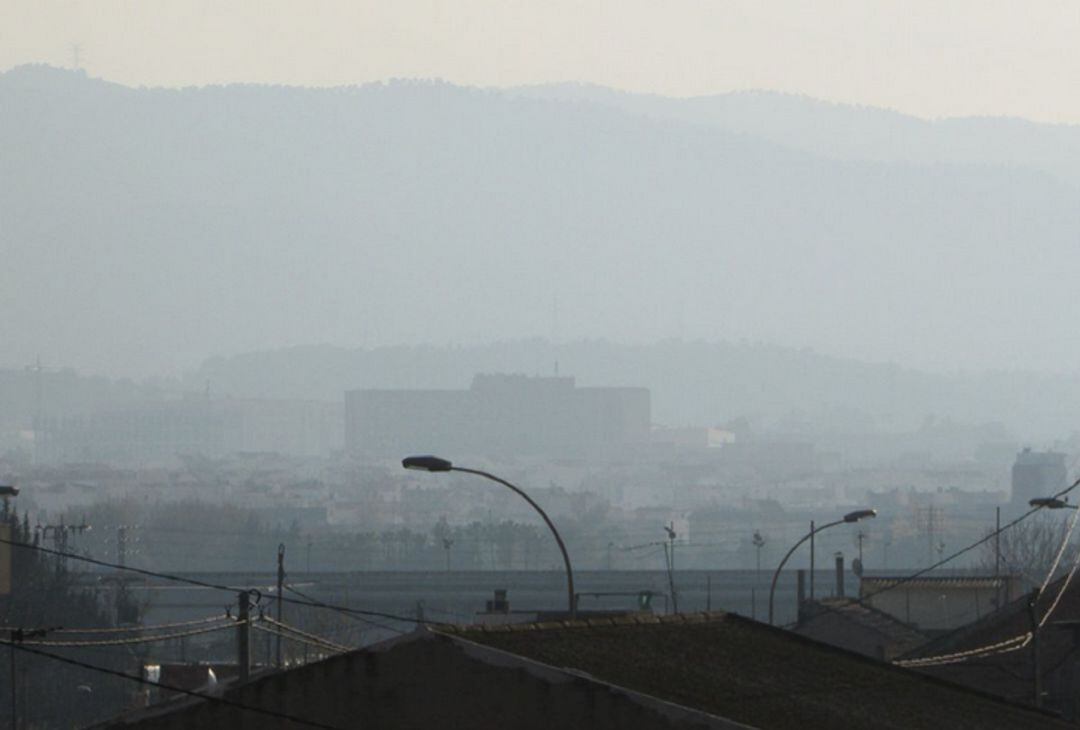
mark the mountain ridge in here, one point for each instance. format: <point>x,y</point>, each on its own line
<point>147,229</point>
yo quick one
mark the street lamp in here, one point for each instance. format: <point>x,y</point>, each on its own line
<point>435,464</point>
<point>1051,503</point>
<point>1036,672</point>
<point>849,518</point>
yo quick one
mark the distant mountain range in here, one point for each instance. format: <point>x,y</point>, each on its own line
<point>142,230</point>
<point>847,132</point>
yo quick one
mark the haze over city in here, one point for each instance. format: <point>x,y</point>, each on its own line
<point>527,365</point>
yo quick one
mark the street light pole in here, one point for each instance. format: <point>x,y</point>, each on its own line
<point>849,517</point>
<point>1036,626</point>
<point>435,464</point>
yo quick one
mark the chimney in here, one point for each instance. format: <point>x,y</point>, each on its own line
<point>839,575</point>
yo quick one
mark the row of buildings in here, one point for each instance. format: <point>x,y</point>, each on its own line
<point>640,670</point>
<point>499,416</point>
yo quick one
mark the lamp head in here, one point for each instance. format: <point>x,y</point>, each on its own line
<point>9,490</point>
<point>860,514</point>
<point>426,463</point>
<point>1049,502</point>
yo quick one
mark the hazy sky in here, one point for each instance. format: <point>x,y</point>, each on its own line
<point>926,57</point>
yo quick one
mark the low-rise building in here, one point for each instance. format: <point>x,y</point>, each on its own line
<point>709,670</point>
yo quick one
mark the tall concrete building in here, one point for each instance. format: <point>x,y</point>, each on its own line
<point>499,416</point>
<point>1037,474</point>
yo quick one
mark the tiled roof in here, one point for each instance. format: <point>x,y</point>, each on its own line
<point>733,667</point>
<point>890,627</point>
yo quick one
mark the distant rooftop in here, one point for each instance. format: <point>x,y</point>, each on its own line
<point>751,673</point>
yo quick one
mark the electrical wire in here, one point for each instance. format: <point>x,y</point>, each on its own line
<point>313,637</point>
<point>347,613</point>
<point>213,586</point>
<point>303,637</point>
<point>127,629</point>
<point>1020,641</point>
<point>134,639</point>
<point>170,688</point>
<point>919,573</point>
<point>317,644</point>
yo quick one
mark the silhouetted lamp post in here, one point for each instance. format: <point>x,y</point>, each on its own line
<point>849,518</point>
<point>1036,671</point>
<point>435,464</point>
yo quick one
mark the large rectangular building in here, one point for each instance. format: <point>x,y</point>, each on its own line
<point>499,416</point>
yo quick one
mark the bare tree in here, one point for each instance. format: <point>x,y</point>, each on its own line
<point>1028,549</point>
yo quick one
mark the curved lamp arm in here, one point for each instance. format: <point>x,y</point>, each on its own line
<point>572,603</point>
<point>776,575</point>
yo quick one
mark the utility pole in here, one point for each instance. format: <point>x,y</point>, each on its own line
<point>670,528</point>
<point>447,543</point>
<point>997,557</point>
<point>759,542</point>
<point>309,554</point>
<point>60,537</point>
<point>1036,679</point>
<point>121,545</point>
<point>811,560</point>
<point>15,636</point>
<point>243,636</point>
<point>280,587</point>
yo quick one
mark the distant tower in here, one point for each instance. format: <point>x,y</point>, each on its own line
<point>1037,474</point>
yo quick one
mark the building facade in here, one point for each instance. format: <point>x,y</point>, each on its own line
<point>499,416</point>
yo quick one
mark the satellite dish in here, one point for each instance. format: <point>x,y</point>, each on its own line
<point>856,567</point>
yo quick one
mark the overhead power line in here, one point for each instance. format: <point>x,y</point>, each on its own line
<point>1019,641</point>
<point>919,573</point>
<point>311,603</point>
<point>291,632</point>
<point>128,629</point>
<point>347,612</point>
<point>135,639</point>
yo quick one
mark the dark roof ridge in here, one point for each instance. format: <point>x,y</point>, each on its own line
<point>790,636</point>
<point>848,602</point>
<point>485,653</point>
<point>627,619</point>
